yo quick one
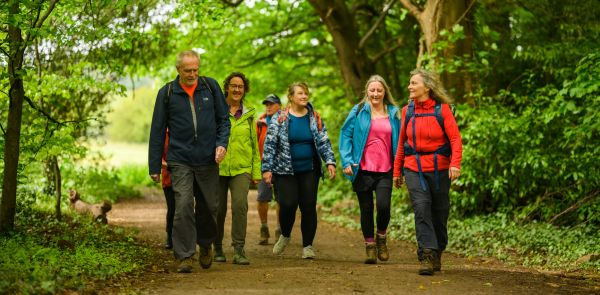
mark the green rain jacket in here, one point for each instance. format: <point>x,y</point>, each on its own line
<point>242,151</point>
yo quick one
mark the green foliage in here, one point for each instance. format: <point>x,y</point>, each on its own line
<point>43,256</point>
<point>538,153</point>
<point>131,116</point>
<point>96,184</point>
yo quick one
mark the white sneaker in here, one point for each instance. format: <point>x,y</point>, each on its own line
<point>308,252</point>
<point>280,245</point>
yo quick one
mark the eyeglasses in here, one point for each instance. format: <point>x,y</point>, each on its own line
<point>234,87</point>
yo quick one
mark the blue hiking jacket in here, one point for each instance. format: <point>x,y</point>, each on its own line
<point>354,134</point>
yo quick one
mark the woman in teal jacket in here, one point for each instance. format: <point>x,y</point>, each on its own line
<point>368,142</point>
<point>240,166</point>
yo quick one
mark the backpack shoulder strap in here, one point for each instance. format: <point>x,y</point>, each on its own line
<point>167,98</point>
<point>319,121</point>
<point>410,112</point>
<point>360,107</point>
<point>282,116</point>
<point>207,85</point>
<point>440,118</point>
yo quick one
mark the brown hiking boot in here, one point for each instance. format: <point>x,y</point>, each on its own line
<point>264,235</point>
<point>205,257</point>
<point>426,268</point>
<point>371,254</point>
<point>185,265</point>
<point>437,262</point>
<point>382,250</point>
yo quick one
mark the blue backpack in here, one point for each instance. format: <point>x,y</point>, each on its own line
<point>445,149</point>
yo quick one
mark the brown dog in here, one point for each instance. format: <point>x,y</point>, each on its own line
<point>98,211</point>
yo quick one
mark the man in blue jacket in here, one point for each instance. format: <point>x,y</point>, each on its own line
<point>194,110</point>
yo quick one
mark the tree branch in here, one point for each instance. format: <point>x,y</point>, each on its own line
<point>33,106</point>
<point>384,12</point>
<point>41,21</point>
<point>413,9</point>
<point>574,206</point>
<point>381,54</point>
<point>465,13</point>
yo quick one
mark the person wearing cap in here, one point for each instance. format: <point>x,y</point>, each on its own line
<point>272,105</point>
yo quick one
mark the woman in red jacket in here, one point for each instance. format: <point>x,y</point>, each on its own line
<point>428,159</point>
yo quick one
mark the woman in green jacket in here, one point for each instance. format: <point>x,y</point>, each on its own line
<point>240,167</point>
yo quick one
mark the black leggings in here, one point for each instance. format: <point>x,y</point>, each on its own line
<point>365,183</point>
<point>299,190</point>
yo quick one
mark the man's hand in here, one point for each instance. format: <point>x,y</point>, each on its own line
<point>331,169</point>
<point>267,177</point>
<point>453,173</point>
<point>155,177</point>
<point>220,154</point>
<point>398,181</point>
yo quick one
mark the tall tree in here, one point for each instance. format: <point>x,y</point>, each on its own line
<point>23,27</point>
<point>434,17</point>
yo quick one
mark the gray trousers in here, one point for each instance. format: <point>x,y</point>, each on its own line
<point>239,186</point>
<point>431,209</point>
<point>195,218</point>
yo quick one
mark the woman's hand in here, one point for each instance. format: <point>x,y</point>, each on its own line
<point>267,177</point>
<point>331,169</point>
<point>453,173</point>
<point>348,170</point>
<point>398,181</point>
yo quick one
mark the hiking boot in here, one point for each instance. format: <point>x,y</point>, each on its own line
<point>264,235</point>
<point>382,250</point>
<point>219,255</point>
<point>277,233</point>
<point>240,256</point>
<point>426,268</point>
<point>280,245</point>
<point>308,252</point>
<point>371,254</point>
<point>186,265</point>
<point>437,262</point>
<point>169,242</point>
<point>205,257</point>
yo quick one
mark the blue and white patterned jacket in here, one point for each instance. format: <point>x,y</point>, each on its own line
<point>277,157</point>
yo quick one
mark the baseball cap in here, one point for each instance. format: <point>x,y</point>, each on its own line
<point>272,98</point>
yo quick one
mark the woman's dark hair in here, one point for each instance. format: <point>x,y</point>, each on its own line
<point>239,75</point>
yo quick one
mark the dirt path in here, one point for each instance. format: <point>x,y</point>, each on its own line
<point>338,268</point>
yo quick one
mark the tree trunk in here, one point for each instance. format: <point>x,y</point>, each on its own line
<point>439,15</point>
<point>13,130</point>
<point>55,178</point>
<point>355,64</point>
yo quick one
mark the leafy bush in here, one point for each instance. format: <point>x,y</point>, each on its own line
<point>536,153</point>
<point>44,256</point>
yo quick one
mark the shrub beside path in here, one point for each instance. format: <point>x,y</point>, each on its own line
<point>338,268</point>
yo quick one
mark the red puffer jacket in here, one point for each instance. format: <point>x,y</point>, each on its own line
<point>429,138</point>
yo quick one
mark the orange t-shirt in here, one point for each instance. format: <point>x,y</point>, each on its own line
<point>189,90</point>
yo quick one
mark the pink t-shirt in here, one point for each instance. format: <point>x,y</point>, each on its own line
<point>378,149</point>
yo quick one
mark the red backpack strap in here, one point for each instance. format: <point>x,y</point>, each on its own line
<point>319,121</point>
<point>283,116</point>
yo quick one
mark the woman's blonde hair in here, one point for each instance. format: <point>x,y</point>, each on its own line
<point>433,83</point>
<point>292,90</point>
<point>388,98</point>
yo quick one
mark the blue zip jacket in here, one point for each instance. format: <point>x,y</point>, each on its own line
<point>354,134</point>
<point>277,157</point>
<point>188,146</point>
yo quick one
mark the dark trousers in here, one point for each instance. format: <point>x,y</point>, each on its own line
<point>364,185</point>
<point>170,198</point>
<point>195,220</point>
<point>431,209</point>
<point>298,190</point>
